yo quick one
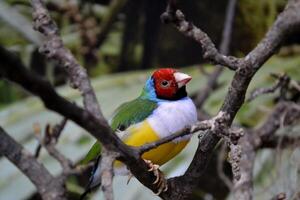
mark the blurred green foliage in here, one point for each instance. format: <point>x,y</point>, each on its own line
<point>9,94</point>
<point>252,21</point>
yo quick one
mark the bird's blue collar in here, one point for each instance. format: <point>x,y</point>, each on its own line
<point>149,92</point>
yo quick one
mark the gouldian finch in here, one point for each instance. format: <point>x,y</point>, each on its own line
<point>162,109</point>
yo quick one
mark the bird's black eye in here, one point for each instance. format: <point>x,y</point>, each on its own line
<point>165,83</point>
<point>121,127</point>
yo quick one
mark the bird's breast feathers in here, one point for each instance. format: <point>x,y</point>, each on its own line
<point>168,118</point>
<point>172,116</point>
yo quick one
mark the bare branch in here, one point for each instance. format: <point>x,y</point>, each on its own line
<point>243,185</point>
<point>283,81</point>
<point>53,48</point>
<point>106,166</point>
<point>284,113</point>
<point>49,187</point>
<point>99,129</point>
<point>243,188</point>
<point>280,196</point>
<point>49,141</point>
<point>55,133</point>
<point>212,84</point>
<point>58,128</point>
<point>209,51</point>
<point>286,23</point>
<point>89,119</point>
<point>234,159</point>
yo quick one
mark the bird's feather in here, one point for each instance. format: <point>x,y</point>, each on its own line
<point>131,113</point>
<point>127,114</point>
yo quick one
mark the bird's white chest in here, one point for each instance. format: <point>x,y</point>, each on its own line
<point>173,116</point>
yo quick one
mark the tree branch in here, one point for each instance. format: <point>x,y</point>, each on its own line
<point>179,187</point>
<point>13,70</point>
<point>199,126</point>
<point>283,114</point>
<point>211,85</point>
<point>282,82</point>
<point>53,48</point>
<point>209,51</point>
<point>286,23</point>
<point>49,187</point>
<point>55,133</point>
<point>243,186</point>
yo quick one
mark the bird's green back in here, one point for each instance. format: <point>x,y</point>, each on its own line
<point>129,113</point>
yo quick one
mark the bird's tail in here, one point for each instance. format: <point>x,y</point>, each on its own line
<point>95,179</point>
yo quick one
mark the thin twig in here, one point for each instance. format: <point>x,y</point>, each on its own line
<point>212,81</point>
<point>286,23</point>
<point>49,187</point>
<point>275,121</point>
<point>52,135</point>
<point>282,81</point>
<point>49,142</point>
<point>106,166</point>
<point>12,65</point>
<point>58,128</point>
<point>209,51</point>
<point>53,48</point>
<point>199,126</point>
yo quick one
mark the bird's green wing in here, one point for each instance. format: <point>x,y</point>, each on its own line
<point>129,113</point>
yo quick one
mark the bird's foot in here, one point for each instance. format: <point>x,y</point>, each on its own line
<point>160,180</point>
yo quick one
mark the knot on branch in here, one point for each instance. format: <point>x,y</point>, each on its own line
<point>280,196</point>
<point>235,134</point>
<point>50,48</point>
<point>43,22</point>
<point>170,15</point>
<point>219,124</point>
<point>167,18</point>
<point>179,15</point>
<point>245,71</point>
<point>78,74</point>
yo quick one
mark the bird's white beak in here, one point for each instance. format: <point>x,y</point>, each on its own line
<point>181,79</point>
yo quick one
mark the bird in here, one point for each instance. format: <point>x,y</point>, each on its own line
<point>163,108</point>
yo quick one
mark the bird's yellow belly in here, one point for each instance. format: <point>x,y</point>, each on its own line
<point>145,134</point>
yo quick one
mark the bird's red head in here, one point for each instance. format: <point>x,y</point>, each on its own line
<point>170,84</point>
